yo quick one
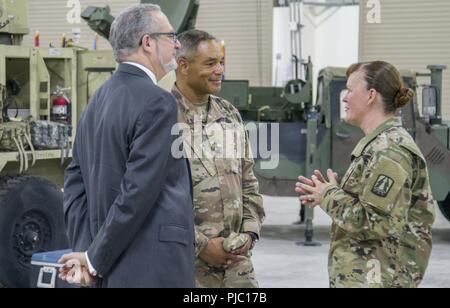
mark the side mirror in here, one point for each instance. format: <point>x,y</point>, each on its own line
<point>297,92</point>
<point>429,102</point>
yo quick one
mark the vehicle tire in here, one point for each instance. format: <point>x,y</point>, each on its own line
<point>445,207</point>
<point>31,221</point>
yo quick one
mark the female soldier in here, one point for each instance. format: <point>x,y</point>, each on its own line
<point>383,210</point>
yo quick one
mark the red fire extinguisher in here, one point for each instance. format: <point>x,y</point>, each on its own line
<point>60,106</point>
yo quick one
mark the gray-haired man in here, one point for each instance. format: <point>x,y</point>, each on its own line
<point>127,200</point>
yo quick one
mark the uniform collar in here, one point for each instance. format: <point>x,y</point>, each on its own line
<point>215,112</point>
<point>391,122</point>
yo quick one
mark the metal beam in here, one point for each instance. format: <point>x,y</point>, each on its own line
<point>326,3</point>
<point>331,3</point>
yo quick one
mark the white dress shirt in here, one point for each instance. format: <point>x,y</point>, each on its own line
<point>146,70</point>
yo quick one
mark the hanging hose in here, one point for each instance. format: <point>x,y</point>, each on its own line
<point>33,152</point>
<point>20,154</point>
<point>67,143</point>
<point>61,145</point>
<point>24,154</point>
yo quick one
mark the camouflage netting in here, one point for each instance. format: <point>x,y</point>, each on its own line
<point>49,135</point>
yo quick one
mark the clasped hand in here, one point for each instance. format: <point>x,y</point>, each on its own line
<point>313,190</point>
<point>75,269</point>
<point>216,256</point>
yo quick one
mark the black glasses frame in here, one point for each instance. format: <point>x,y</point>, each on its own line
<point>172,35</point>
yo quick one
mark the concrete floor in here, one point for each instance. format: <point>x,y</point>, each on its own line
<point>280,263</point>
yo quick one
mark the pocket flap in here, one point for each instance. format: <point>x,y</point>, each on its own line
<point>173,233</point>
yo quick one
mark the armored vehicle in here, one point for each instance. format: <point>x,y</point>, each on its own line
<point>43,91</point>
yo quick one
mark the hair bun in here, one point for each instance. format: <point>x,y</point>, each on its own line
<point>403,97</point>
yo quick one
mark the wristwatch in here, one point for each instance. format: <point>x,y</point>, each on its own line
<point>254,238</point>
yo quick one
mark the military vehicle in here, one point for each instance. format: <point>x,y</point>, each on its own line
<point>35,85</point>
<point>43,91</point>
<point>35,80</point>
<point>314,136</point>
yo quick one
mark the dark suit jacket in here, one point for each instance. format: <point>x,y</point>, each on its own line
<point>127,200</point>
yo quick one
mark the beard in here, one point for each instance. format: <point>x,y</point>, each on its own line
<point>169,66</point>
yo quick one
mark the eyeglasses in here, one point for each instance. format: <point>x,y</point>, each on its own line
<point>171,35</point>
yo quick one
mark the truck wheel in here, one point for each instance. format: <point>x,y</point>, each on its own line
<point>445,207</point>
<point>31,220</point>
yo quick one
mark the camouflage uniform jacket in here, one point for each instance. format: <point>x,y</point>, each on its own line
<point>382,213</point>
<point>226,192</point>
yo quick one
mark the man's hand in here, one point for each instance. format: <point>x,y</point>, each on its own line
<point>313,190</point>
<point>75,269</point>
<point>215,255</point>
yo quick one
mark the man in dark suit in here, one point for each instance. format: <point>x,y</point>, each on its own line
<point>127,200</point>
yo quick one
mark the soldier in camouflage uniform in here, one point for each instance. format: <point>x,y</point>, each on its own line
<point>383,209</point>
<point>228,207</point>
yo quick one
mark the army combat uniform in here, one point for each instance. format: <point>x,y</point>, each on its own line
<point>382,213</point>
<point>226,194</point>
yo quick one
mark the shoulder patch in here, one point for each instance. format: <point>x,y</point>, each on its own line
<point>382,185</point>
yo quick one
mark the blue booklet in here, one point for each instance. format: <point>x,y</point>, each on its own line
<point>49,258</point>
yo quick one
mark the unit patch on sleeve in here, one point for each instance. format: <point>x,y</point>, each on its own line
<point>382,186</point>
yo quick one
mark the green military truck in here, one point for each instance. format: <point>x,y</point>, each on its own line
<point>314,136</point>
<point>35,83</point>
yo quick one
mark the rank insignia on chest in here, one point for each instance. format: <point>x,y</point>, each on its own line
<point>383,185</point>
